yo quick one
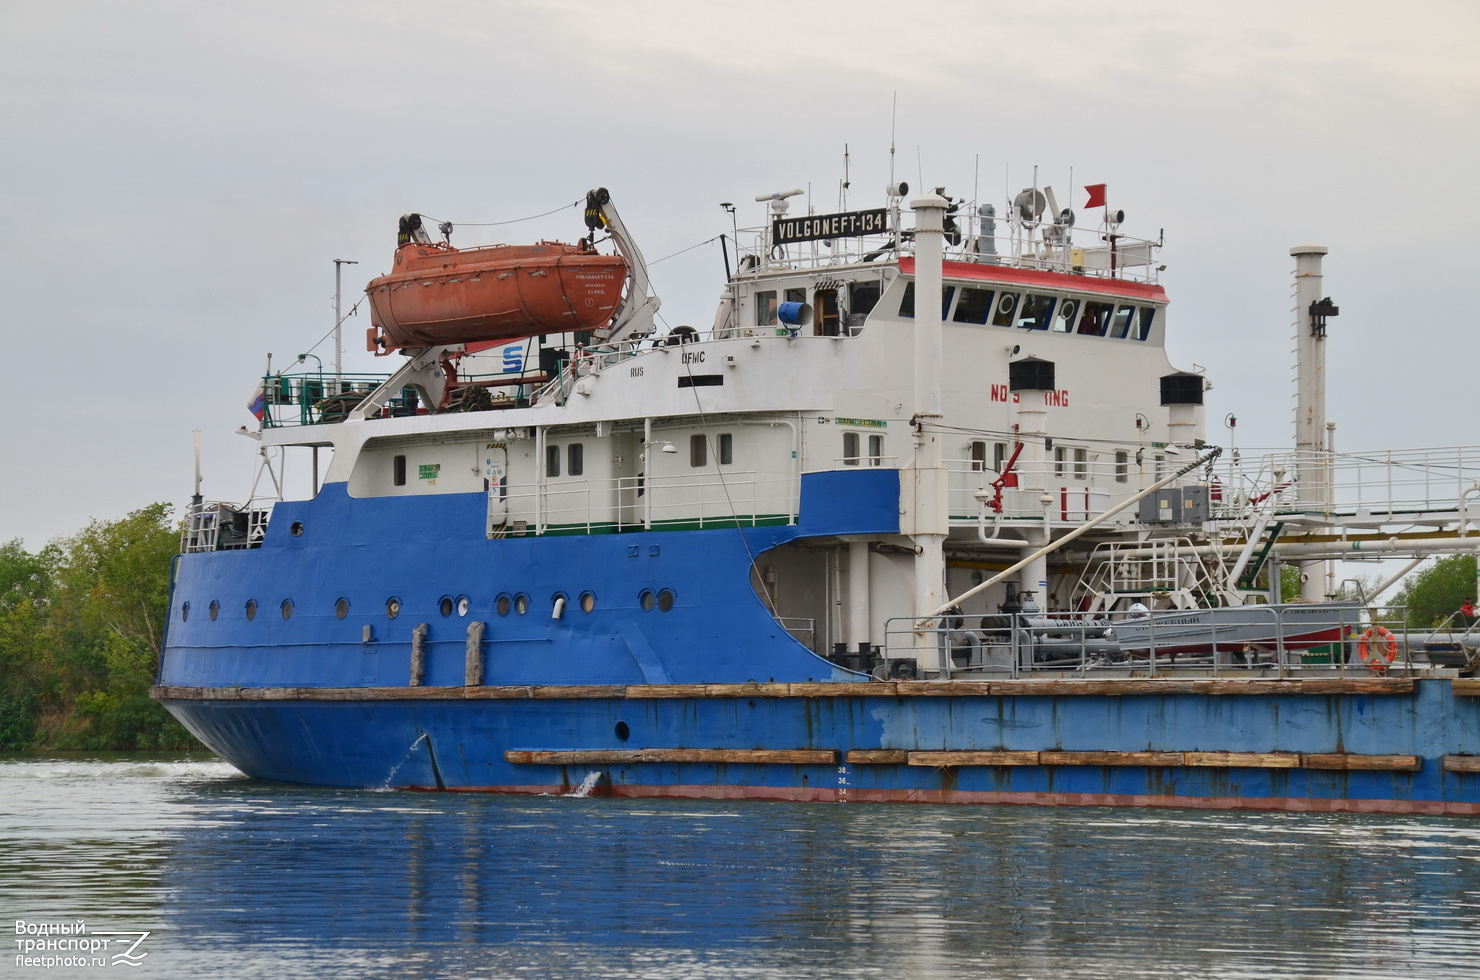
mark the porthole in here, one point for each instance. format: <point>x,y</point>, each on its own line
<point>623,732</point>
<point>184,610</point>
<point>287,608</point>
<point>251,608</point>
<point>503,604</point>
<point>463,605</point>
<point>647,599</point>
<point>521,603</point>
<point>665,600</point>
<point>445,605</point>
<point>296,529</point>
<point>341,608</point>
<point>393,607</point>
<point>588,602</point>
<point>214,609</point>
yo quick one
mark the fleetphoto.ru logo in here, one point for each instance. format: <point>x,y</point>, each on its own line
<point>50,944</point>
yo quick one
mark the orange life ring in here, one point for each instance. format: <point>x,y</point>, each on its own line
<point>1378,647</point>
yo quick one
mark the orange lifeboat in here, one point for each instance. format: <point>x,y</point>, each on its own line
<point>439,294</point>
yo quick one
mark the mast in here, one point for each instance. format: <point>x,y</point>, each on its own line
<point>339,264</point>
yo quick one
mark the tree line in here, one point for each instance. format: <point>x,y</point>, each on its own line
<point>81,624</point>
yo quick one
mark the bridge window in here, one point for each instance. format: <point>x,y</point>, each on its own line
<point>1120,326</point>
<point>1095,318</point>
<point>1006,308</point>
<point>907,303</point>
<point>1064,322</point>
<point>1036,312</point>
<point>974,306</point>
<point>765,308</point>
<point>1143,323</point>
<point>862,298</point>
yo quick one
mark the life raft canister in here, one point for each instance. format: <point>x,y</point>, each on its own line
<point>1377,647</point>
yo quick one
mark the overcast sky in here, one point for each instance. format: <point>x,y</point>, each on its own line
<point>178,177</point>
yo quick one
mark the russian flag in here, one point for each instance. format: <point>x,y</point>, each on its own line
<point>258,405</point>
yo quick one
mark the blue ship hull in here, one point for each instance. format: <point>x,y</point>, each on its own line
<point>1276,744</point>
<point>711,696</point>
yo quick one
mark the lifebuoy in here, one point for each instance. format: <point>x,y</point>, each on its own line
<point>1377,647</point>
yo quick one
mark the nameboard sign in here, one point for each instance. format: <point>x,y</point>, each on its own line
<point>845,224</point>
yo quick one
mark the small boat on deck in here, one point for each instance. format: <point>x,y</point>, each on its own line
<point>1293,625</point>
<point>441,294</point>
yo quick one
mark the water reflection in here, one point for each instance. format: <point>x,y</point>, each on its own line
<point>256,879</point>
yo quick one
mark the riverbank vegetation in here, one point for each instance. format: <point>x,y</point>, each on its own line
<point>81,623</point>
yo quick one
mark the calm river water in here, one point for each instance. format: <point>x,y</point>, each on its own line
<point>232,877</point>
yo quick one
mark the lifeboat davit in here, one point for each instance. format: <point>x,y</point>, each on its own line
<point>439,294</point>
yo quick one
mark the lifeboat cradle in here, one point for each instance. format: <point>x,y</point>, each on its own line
<point>432,370</point>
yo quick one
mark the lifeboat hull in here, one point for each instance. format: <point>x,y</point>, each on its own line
<point>443,295</point>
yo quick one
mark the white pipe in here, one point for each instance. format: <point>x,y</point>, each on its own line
<point>539,489</point>
<point>1334,550</point>
<point>1248,552</point>
<point>858,594</point>
<point>647,474</point>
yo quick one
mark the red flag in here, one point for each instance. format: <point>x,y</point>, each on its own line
<point>1096,195</point>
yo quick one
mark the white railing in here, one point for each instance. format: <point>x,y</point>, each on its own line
<point>1089,250</point>
<point>1397,484</point>
<point>219,526</point>
<point>630,503</point>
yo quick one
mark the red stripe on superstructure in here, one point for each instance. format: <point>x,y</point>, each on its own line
<point>814,794</point>
<point>1050,280</point>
